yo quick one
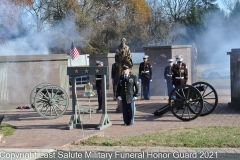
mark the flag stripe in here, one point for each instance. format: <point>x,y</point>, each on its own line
<point>74,52</point>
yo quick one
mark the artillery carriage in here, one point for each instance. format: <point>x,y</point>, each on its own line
<point>49,101</point>
<point>187,102</point>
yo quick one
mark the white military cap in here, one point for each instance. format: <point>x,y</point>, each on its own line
<point>170,60</point>
<point>179,59</point>
<point>178,56</point>
<point>98,62</point>
<point>145,57</point>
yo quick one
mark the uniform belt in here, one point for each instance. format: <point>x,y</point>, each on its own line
<point>145,71</point>
<point>169,75</point>
<point>98,78</point>
<point>179,77</point>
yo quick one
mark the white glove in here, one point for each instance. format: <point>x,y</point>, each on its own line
<point>173,86</point>
<point>119,98</point>
<point>151,80</point>
<point>165,80</point>
<point>139,80</point>
<point>134,98</point>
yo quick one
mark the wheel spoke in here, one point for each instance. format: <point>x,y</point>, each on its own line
<point>46,110</point>
<point>51,101</point>
<point>179,94</point>
<point>189,105</point>
<point>205,106</point>
<point>207,94</point>
<point>62,102</point>
<point>205,88</point>
<point>54,109</point>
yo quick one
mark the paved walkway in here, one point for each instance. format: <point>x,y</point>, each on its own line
<point>34,131</point>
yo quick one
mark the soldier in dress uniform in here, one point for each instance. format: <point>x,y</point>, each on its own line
<point>145,76</point>
<point>168,76</point>
<point>127,92</point>
<point>179,74</point>
<point>99,86</point>
<point>115,77</point>
<point>179,58</point>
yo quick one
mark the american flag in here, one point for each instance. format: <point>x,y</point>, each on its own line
<point>74,52</point>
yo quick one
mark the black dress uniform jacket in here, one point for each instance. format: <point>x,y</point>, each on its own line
<point>115,74</point>
<point>98,81</point>
<point>127,88</point>
<point>145,70</point>
<point>184,65</point>
<point>168,74</point>
<point>179,75</point>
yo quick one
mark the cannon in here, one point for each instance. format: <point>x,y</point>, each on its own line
<point>49,101</point>
<point>187,102</point>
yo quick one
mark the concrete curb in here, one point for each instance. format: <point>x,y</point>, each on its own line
<point>149,149</point>
<point>79,140</point>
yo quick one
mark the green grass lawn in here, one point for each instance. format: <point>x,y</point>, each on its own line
<point>7,129</point>
<point>220,136</point>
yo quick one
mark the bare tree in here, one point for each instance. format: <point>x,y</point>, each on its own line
<point>9,20</point>
<point>175,9</point>
<point>229,4</point>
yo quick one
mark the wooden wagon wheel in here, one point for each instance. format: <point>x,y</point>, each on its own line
<point>210,97</point>
<point>34,92</point>
<point>51,101</point>
<point>185,102</point>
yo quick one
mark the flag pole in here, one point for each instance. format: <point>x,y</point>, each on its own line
<point>71,57</point>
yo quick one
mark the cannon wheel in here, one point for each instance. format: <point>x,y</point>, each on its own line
<point>34,92</point>
<point>185,102</point>
<point>210,97</point>
<point>51,101</point>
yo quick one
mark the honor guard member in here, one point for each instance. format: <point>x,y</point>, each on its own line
<point>179,57</point>
<point>127,91</point>
<point>145,76</point>
<point>168,75</point>
<point>115,77</point>
<point>99,86</point>
<point>179,74</point>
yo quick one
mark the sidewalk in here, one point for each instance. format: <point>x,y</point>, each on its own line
<point>35,132</point>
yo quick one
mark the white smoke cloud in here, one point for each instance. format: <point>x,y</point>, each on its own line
<point>20,36</point>
<point>219,38</point>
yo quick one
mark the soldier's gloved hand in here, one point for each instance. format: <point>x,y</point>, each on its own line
<point>151,80</point>
<point>173,86</point>
<point>119,98</point>
<point>139,80</point>
<point>134,98</point>
<point>165,80</point>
